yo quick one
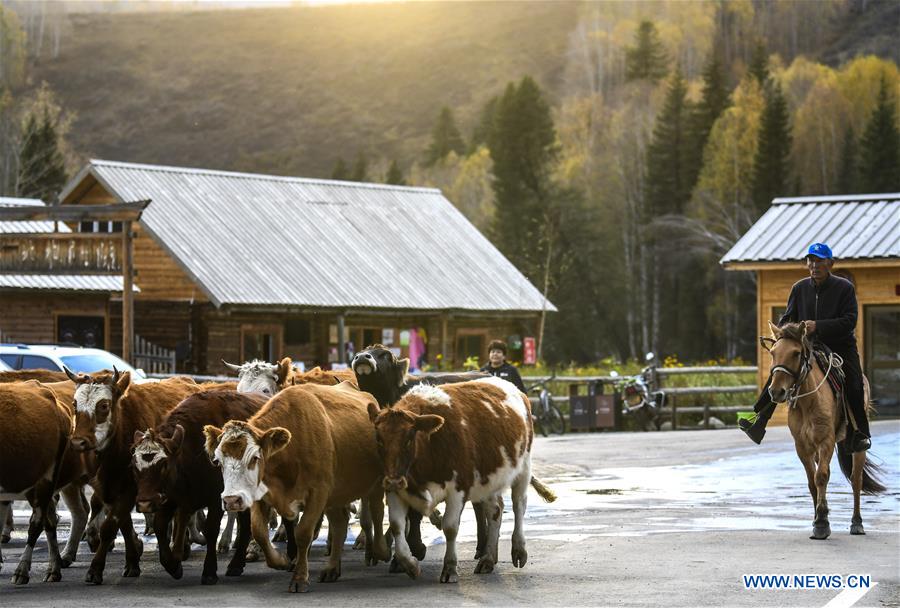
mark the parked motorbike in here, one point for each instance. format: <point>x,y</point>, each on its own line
<point>639,400</point>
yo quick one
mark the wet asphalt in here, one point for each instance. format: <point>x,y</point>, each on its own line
<point>650,519</point>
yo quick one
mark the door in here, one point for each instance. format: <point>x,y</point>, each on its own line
<point>261,342</point>
<point>81,330</point>
<point>883,357</point>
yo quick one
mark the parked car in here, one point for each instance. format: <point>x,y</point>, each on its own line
<point>53,357</point>
<point>4,367</point>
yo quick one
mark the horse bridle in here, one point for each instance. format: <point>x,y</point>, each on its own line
<point>799,376</point>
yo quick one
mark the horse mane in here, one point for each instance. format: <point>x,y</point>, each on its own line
<point>793,331</point>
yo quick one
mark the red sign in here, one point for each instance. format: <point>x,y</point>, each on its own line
<point>529,352</point>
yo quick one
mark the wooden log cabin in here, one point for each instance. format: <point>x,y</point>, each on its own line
<point>864,233</point>
<point>239,266</point>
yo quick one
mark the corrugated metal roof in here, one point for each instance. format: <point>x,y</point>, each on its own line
<point>265,240</point>
<point>855,227</point>
<point>26,227</point>
<point>73,282</point>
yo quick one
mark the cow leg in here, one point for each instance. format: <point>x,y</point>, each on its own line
<point>134,546</point>
<point>108,529</point>
<point>227,534</point>
<point>73,495</point>
<point>51,521</point>
<point>376,545</point>
<point>5,511</point>
<point>148,525</point>
<point>35,525</point>
<point>161,524</point>
<point>519,504</point>
<point>179,535</point>
<point>414,535</point>
<point>397,514</point>
<point>259,525</point>
<point>211,530</point>
<point>303,534</point>
<point>365,523</point>
<point>492,513</point>
<point>98,514</point>
<point>481,529</point>
<point>7,523</point>
<point>237,563</point>
<point>337,526</point>
<point>452,513</point>
<point>197,527</point>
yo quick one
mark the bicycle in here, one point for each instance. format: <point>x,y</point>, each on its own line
<point>548,417</point>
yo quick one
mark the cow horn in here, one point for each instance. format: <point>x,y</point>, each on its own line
<point>71,375</point>
<point>115,377</point>
<point>231,366</point>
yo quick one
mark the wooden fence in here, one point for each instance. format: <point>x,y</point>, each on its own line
<point>153,359</point>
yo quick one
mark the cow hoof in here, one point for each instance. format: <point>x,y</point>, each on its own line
<point>20,578</point>
<point>176,571</point>
<point>436,519</point>
<point>479,553</point>
<point>360,542</point>
<point>485,565</point>
<point>253,554</point>
<point>53,576</point>
<point>299,587</point>
<point>94,578</point>
<point>395,566</point>
<point>209,579</point>
<point>330,574</point>
<point>223,548</point>
<point>519,557</point>
<point>413,570</point>
<point>131,571</point>
<point>450,574</point>
<point>65,562</point>
<point>821,532</point>
<point>418,551</point>
<point>5,539</point>
<point>234,570</point>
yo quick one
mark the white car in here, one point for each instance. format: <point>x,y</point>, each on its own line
<point>4,367</point>
<point>53,358</point>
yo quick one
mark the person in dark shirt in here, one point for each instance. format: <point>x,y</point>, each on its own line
<point>827,305</point>
<point>498,366</point>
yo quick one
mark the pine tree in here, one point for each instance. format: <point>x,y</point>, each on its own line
<point>647,59</point>
<point>880,147</point>
<point>394,175</point>
<point>340,171</point>
<point>481,134</point>
<point>771,165</point>
<point>714,101</point>
<point>445,138</point>
<point>360,172</point>
<point>848,176</point>
<point>759,63</point>
<point>42,170</point>
<point>669,156</point>
<point>522,147</point>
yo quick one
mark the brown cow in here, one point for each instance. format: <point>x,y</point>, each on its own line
<point>176,478</point>
<point>311,447</point>
<point>452,444</point>
<point>32,452</point>
<point>41,375</point>
<point>108,411</point>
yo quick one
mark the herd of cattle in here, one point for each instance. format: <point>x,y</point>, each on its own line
<point>301,445</point>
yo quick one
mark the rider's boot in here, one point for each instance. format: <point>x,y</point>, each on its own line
<point>859,442</point>
<point>764,409</point>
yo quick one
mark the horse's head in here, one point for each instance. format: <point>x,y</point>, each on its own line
<point>788,347</point>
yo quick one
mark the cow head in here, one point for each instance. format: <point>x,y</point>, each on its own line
<point>380,373</point>
<point>97,398</point>
<point>261,377</point>
<point>241,451</point>
<point>152,462</point>
<point>399,434</point>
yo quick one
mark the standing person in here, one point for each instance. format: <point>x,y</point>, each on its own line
<point>827,305</point>
<point>497,365</point>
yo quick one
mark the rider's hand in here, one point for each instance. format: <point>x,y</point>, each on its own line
<point>810,327</point>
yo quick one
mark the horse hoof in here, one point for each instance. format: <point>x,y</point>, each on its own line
<point>209,579</point>
<point>821,532</point>
<point>857,529</point>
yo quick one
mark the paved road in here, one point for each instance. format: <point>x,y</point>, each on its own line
<point>663,519</point>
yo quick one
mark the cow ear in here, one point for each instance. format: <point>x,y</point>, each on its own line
<point>213,435</point>
<point>284,370</point>
<point>429,423</point>
<point>177,437</point>
<point>138,436</point>
<point>374,410</point>
<point>274,439</point>
<point>123,383</point>
<point>776,333</point>
<point>404,369</point>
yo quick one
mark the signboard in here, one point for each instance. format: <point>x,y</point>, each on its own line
<point>529,352</point>
<point>387,336</point>
<point>404,337</point>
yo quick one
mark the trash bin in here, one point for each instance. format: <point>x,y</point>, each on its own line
<point>589,408</point>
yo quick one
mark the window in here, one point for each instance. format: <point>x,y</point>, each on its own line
<point>86,331</point>
<point>35,362</point>
<point>470,345</point>
<point>297,331</point>
<point>11,360</point>
<point>261,342</point>
<point>100,227</point>
<point>882,324</point>
<point>777,311</point>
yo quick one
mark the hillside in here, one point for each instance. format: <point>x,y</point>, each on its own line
<point>288,90</point>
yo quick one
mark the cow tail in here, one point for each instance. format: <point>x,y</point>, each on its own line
<point>543,491</point>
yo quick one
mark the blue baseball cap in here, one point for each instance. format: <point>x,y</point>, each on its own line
<point>820,250</point>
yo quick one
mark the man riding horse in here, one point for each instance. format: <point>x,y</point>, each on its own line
<point>827,305</point>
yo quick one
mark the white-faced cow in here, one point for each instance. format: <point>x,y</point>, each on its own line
<point>268,378</point>
<point>109,409</point>
<point>452,444</point>
<point>310,448</point>
<point>175,477</point>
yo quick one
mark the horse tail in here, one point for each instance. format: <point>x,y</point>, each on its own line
<point>871,483</point>
<point>543,491</point>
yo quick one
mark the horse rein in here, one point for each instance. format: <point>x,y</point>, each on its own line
<point>801,375</point>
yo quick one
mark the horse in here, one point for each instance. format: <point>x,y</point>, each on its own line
<point>815,421</point>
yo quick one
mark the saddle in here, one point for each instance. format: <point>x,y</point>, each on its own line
<point>835,377</point>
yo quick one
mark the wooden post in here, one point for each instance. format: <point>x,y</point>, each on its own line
<point>342,341</point>
<point>127,293</point>
<point>444,339</point>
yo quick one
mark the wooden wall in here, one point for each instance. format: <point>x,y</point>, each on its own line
<point>875,284</point>
<point>30,317</point>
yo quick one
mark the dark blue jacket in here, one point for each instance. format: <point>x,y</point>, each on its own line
<point>832,306</point>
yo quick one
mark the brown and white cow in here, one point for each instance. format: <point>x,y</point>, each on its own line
<point>311,447</point>
<point>33,447</point>
<point>175,477</point>
<point>268,378</point>
<point>452,444</point>
<point>109,409</point>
